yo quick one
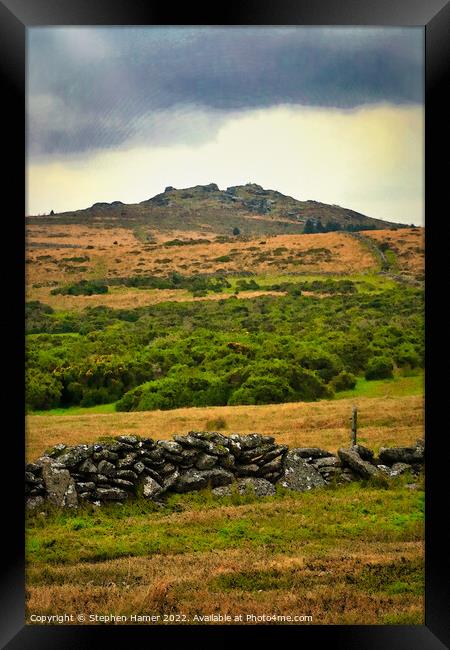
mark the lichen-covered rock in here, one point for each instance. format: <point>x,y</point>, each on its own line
<point>123,483</point>
<point>33,468</point>
<point>127,474</point>
<point>59,485</point>
<point>170,480</point>
<point>257,453</point>
<point>168,468</point>
<point>57,450</point>
<point>247,470</point>
<point>251,440</point>
<point>127,461</point>
<point>258,486</point>
<point>88,486</point>
<point>274,466</point>
<point>409,455</point>
<point>205,461</point>
<point>170,446</point>
<point>364,452</point>
<point>34,502</point>
<point>197,479</point>
<point>399,468</point>
<point>351,459</point>
<point>329,461</point>
<point>106,468</point>
<point>151,488</point>
<point>105,454</point>
<point>210,436</point>
<point>227,461</point>
<point>279,450</point>
<point>130,440</point>
<point>110,494</point>
<point>88,467</point>
<point>299,475</point>
<point>153,455</point>
<point>207,446</point>
<point>139,467</point>
<point>75,455</point>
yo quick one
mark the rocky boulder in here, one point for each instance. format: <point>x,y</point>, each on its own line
<point>197,479</point>
<point>59,485</point>
<point>150,488</point>
<point>408,455</point>
<point>351,459</point>
<point>299,475</point>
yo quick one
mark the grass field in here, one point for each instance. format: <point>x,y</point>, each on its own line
<point>350,555</point>
<point>343,555</point>
<point>382,421</point>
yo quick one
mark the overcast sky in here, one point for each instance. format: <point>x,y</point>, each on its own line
<point>330,114</point>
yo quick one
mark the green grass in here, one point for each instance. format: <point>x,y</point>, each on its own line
<point>398,386</point>
<point>316,520</point>
<point>365,282</point>
<point>79,410</point>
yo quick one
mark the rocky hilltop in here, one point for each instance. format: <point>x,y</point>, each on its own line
<point>130,466</point>
<point>250,207</point>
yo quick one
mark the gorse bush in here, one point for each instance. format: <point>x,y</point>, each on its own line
<point>234,351</point>
<point>343,381</point>
<point>82,288</point>
<point>379,368</point>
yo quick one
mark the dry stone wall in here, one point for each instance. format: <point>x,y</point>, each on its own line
<point>130,466</point>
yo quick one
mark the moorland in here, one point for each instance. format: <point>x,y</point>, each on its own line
<point>239,311</point>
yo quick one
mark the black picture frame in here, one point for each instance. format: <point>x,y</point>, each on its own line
<point>15,17</point>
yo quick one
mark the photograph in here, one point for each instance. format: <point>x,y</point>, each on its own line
<point>225,325</point>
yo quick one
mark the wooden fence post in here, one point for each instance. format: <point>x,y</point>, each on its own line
<point>354,425</point>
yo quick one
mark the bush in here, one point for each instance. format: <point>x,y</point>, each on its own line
<point>263,390</point>
<point>379,368</point>
<point>216,424</point>
<point>43,390</point>
<point>175,392</point>
<point>82,288</point>
<point>344,381</point>
<point>406,356</point>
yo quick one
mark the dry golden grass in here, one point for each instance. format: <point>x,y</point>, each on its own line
<point>131,298</point>
<point>408,245</point>
<point>296,253</point>
<point>382,421</point>
<point>184,584</point>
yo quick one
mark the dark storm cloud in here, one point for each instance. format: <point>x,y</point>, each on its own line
<point>97,88</point>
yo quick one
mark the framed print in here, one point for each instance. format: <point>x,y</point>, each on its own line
<point>223,421</point>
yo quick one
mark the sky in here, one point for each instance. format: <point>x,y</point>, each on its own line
<point>330,114</point>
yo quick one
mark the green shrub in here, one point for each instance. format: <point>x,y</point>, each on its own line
<point>82,288</point>
<point>379,368</point>
<point>216,424</point>
<point>344,381</point>
<point>406,356</point>
<point>263,390</point>
<point>43,390</point>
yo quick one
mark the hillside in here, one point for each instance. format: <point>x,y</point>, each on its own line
<point>250,208</point>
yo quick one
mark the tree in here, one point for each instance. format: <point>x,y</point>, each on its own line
<point>319,227</point>
<point>236,231</point>
<point>309,227</point>
<point>52,212</point>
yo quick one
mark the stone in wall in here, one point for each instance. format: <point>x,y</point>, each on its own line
<point>128,466</point>
<point>298,474</point>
